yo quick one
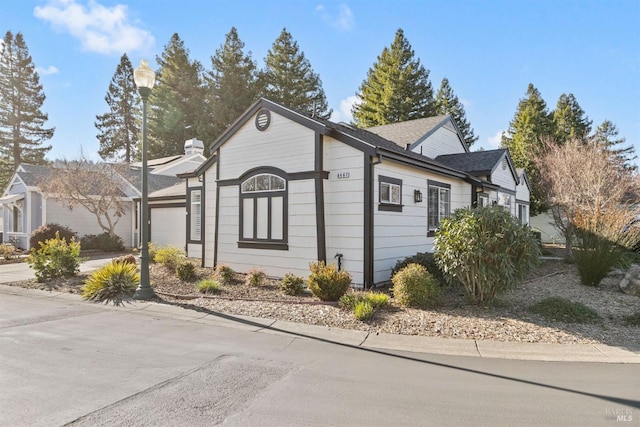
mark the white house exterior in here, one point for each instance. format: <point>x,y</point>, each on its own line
<point>25,207</point>
<point>281,190</point>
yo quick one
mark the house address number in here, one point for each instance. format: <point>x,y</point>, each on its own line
<point>343,175</point>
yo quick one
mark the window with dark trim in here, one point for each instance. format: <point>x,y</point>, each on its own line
<point>195,215</point>
<point>522,213</point>
<point>483,200</point>
<point>438,203</point>
<point>263,212</point>
<point>390,194</point>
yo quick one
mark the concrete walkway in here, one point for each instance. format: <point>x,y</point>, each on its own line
<point>20,271</point>
<point>373,341</point>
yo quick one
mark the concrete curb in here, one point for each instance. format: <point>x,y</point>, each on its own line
<point>599,353</point>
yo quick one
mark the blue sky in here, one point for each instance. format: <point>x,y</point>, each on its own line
<point>489,50</point>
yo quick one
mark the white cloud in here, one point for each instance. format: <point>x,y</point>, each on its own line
<point>342,21</point>
<point>343,114</point>
<point>101,29</point>
<point>495,140</point>
<point>47,71</point>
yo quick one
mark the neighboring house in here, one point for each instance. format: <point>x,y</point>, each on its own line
<point>281,190</point>
<point>25,208</point>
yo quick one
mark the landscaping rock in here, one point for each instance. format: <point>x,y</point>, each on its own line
<point>631,282</point>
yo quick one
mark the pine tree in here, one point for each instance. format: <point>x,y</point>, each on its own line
<point>177,102</point>
<point>569,119</point>
<point>289,79</point>
<point>531,125</point>
<point>397,88</point>
<point>447,102</point>
<point>232,84</point>
<point>607,135</point>
<point>119,128</point>
<point>22,130</point>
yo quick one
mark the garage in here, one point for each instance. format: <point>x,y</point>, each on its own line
<point>168,225</point>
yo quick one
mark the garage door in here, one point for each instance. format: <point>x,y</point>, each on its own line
<point>168,226</point>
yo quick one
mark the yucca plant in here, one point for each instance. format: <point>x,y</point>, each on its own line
<point>115,282</point>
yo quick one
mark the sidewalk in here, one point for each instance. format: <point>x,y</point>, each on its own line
<point>21,271</point>
<point>599,353</point>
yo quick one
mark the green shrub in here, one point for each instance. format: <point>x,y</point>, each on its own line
<point>426,259</point>
<point>363,310</point>
<point>562,310</point>
<point>349,300</point>
<point>169,256</point>
<point>186,270</point>
<point>55,258</point>
<point>291,284</point>
<point>129,259</point>
<point>7,252</point>
<point>225,273</point>
<point>208,286</point>
<point>151,251</point>
<point>105,242</point>
<point>255,277</point>
<point>115,282</point>
<point>326,282</point>
<point>632,319</point>
<point>414,286</point>
<point>595,257</point>
<point>485,249</point>
<point>47,232</point>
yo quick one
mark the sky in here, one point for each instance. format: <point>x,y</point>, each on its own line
<point>489,50</point>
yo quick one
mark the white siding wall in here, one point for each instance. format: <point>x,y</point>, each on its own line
<point>522,190</point>
<point>402,234</point>
<point>344,207</point>
<point>84,222</point>
<point>284,144</point>
<point>168,226</point>
<point>504,178</point>
<point>545,225</point>
<point>442,141</point>
<point>209,216</point>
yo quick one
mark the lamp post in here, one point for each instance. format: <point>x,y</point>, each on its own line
<point>145,79</point>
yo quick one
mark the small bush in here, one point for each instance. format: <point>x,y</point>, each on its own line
<point>169,256</point>
<point>208,286</point>
<point>377,299</point>
<point>291,284</point>
<point>414,286</point>
<point>595,257</point>
<point>114,282</point>
<point>485,249</point>
<point>7,252</point>
<point>256,277</point>
<point>55,258</point>
<point>427,260</point>
<point>225,273</point>
<point>326,282</point>
<point>151,250</point>
<point>105,242</point>
<point>186,270</point>
<point>47,232</point>
<point>128,259</point>
<point>349,300</point>
<point>632,319</point>
<point>562,310</point>
<point>363,310</point>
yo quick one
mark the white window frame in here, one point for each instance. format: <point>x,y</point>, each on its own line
<point>443,192</point>
<point>195,215</point>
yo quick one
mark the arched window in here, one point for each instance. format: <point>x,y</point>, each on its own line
<point>263,212</point>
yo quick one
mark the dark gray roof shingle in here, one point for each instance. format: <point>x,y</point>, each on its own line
<point>476,163</point>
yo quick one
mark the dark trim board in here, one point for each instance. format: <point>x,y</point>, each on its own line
<point>368,246</point>
<point>321,240</point>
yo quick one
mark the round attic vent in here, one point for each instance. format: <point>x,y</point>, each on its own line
<point>263,119</point>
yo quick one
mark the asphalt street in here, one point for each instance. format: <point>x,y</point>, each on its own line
<point>68,362</point>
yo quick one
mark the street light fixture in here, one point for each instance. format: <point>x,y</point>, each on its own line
<point>145,79</point>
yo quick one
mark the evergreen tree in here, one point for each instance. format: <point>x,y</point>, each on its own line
<point>289,79</point>
<point>22,130</point>
<point>569,119</point>
<point>531,125</point>
<point>177,102</point>
<point>447,102</point>
<point>397,88</point>
<point>119,128</point>
<point>607,135</point>
<point>232,84</point>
